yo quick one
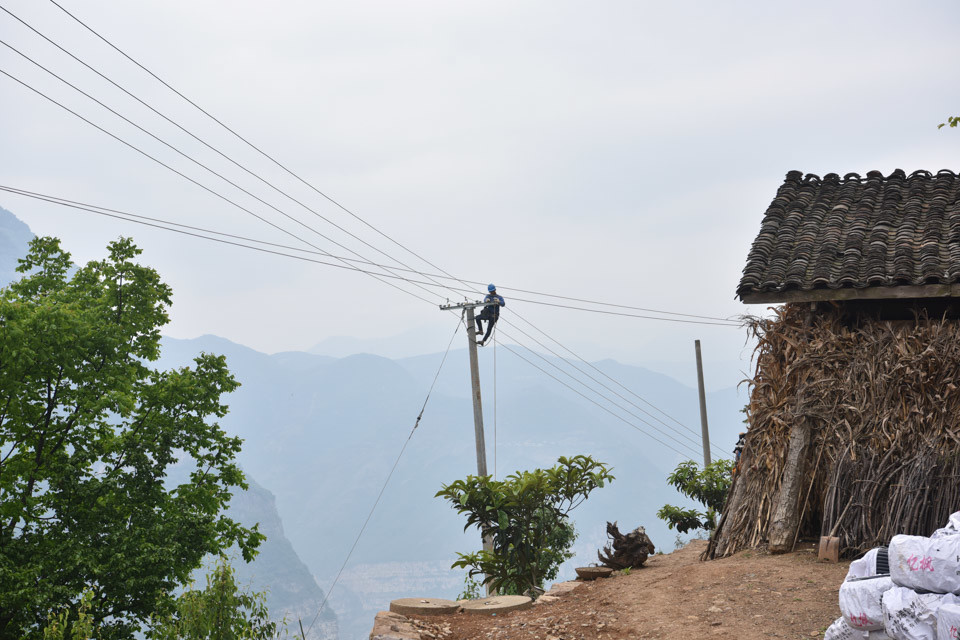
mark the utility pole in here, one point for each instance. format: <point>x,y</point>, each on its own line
<point>475,384</point>
<point>705,432</point>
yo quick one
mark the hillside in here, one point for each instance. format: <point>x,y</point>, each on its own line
<point>749,596</point>
<point>323,432</point>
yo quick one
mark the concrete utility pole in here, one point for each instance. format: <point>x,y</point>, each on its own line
<point>705,432</point>
<point>475,384</point>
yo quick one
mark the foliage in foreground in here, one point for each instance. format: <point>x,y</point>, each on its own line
<point>952,121</point>
<point>221,611</point>
<point>526,515</point>
<point>88,433</point>
<point>707,486</point>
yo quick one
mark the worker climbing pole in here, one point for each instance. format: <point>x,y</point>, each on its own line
<point>490,312</point>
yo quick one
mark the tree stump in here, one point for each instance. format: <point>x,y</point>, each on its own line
<point>625,551</point>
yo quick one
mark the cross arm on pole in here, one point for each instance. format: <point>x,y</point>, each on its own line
<point>468,305</point>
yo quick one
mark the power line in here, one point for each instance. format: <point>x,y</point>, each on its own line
<point>183,175</point>
<point>242,138</point>
<point>158,224</point>
<point>630,315</point>
<point>722,321</point>
<point>314,188</point>
<point>621,418</point>
<point>120,215</point>
<point>164,142</point>
<point>608,377</point>
<point>612,402</point>
<point>195,137</point>
<point>137,218</point>
<point>690,440</point>
<point>385,482</point>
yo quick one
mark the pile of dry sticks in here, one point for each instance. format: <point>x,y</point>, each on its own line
<point>882,401</point>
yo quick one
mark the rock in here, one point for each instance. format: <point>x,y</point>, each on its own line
<point>545,599</point>
<point>559,588</point>
<point>393,626</point>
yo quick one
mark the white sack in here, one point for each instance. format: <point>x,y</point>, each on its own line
<point>952,528</point>
<point>948,622</point>
<point>926,564</point>
<point>860,602</point>
<point>840,630</point>
<point>908,615</point>
<point>865,566</point>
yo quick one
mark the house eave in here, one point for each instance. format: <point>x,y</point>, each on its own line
<point>866,293</point>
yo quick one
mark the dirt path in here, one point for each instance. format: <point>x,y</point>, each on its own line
<point>748,596</point>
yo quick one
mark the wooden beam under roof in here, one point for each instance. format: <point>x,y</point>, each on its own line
<point>866,293</point>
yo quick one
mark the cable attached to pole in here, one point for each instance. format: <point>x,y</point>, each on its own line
<point>494,402</point>
<point>385,482</point>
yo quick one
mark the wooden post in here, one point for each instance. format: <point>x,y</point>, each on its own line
<point>783,522</point>
<point>704,431</point>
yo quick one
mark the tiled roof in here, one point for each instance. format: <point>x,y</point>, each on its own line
<point>857,232</point>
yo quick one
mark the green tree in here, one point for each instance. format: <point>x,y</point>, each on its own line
<point>88,432</point>
<point>221,611</point>
<point>527,517</point>
<point>952,121</point>
<point>707,486</point>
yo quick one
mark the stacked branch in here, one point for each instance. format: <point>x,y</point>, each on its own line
<point>880,405</point>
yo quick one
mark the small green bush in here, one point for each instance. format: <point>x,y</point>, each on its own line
<point>526,517</point>
<point>707,486</point>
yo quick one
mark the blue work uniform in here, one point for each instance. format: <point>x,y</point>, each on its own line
<point>490,313</point>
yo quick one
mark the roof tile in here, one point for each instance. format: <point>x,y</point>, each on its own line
<point>857,231</point>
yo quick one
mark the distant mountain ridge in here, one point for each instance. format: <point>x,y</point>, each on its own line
<point>322,432</point>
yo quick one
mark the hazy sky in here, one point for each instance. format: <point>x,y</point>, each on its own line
<point>619,151</point>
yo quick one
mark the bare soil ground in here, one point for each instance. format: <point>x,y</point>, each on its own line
<point>749,596</point>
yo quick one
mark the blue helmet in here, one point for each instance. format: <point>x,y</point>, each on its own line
<point>491,288</point>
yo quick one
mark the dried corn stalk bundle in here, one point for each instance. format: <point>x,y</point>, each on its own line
<point>882,401</point>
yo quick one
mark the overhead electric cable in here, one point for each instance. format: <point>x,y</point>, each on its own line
<point>240,137</point>
<point>385,482</point>
<point>181,153</point>
<point>159,224</point>
<point>695,442</point>
<point>318,191</point>
<point>520,343</point>
<point>191,134</point>
<point>612,379</point>
<point>134,217</point>
<point>179,173</point>
<point>722,322</point>
<point>615,415</point>
<point>688,446</point>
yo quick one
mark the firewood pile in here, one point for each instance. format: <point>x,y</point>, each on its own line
<point>625,551</point>
<point>882,401</point>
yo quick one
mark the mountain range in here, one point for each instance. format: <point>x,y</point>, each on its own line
<point>322,433</point>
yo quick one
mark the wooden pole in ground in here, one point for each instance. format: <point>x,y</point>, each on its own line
<point>785,519</point>
<point>704,430</point>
